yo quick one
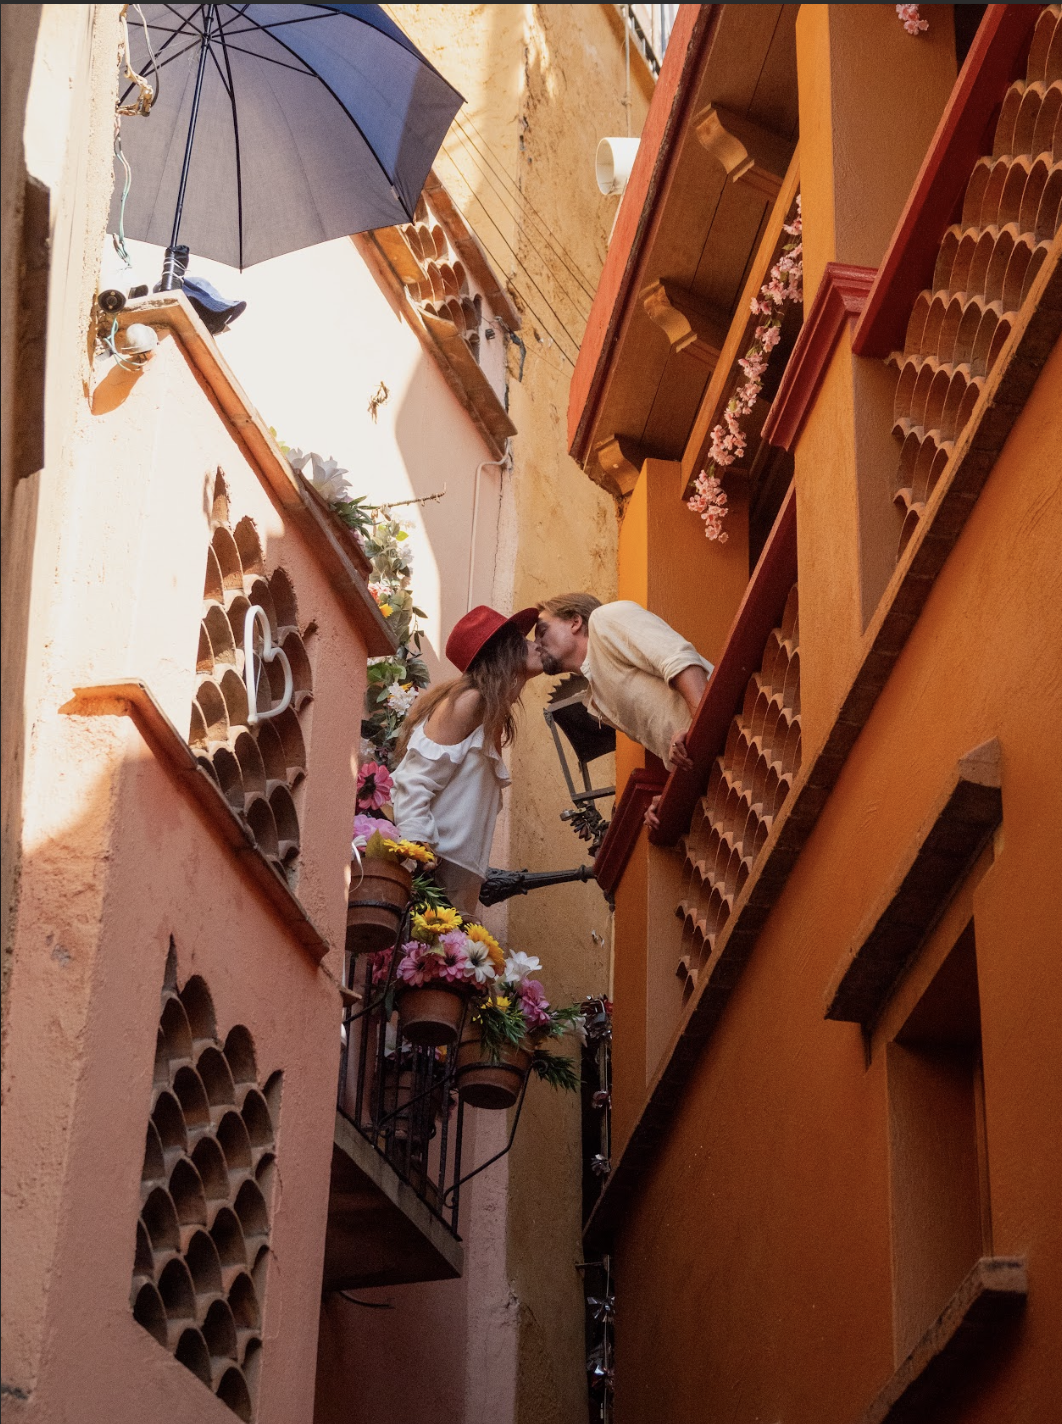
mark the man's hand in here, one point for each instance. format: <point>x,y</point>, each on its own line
<point>677,754</point>
<point>652,820</point>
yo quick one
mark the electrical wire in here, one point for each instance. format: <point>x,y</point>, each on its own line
<point>118,239</point>
<point>482,152</point>
<point>499,169</point>
<point>517,219</point>
<point>487,214</point>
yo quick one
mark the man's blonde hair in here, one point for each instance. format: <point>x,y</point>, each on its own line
<point>571,605</point>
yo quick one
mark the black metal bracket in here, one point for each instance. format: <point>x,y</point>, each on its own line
<point>504,884</point>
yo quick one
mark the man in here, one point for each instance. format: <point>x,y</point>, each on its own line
<point>645,679</point>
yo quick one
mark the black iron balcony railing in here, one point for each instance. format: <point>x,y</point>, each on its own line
<point>399,1095</point>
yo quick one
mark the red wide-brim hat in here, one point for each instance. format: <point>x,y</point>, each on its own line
<point>473,632</point>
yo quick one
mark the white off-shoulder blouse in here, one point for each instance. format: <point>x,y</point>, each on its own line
<point>450,796</point>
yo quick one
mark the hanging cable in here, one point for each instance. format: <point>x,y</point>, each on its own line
<point>483,151</point>
<point>519,220</point>
<point>499,169</point>
<point>487,214</point>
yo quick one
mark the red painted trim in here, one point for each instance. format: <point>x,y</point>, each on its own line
<point>996,57</point>
<point>840,298</point>
<point>761,610</point>
<point>639,214</point>
<point>626,825</point>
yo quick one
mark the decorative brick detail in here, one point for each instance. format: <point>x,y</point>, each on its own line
<point>202,1240</point>
<point>986,266</point>
<point>746,789</point>
<point>441,287</point>
<point>259,766</point>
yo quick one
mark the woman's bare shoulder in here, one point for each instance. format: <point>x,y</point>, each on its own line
<point>455,718</point>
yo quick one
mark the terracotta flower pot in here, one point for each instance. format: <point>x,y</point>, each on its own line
<point>377,902</point>
<point>431,1014</point>
<point>483,1082</point>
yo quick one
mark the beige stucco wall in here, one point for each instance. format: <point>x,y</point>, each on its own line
<point>58,98</point>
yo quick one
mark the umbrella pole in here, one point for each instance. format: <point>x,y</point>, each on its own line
<point>175,262</point>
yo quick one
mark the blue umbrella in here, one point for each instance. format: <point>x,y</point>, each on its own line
<point>275,127</point>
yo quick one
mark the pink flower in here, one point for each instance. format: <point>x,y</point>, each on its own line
<point>374,786</point>
<point>380,964</point>
<point>533,1003</point>
<point>451,957</point>
<point>364,826</point>
<point>911,20</point>
<point>419,965</point>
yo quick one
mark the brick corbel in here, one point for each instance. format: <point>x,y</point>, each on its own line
<point>839,299</point>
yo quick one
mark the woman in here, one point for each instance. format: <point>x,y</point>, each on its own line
<point>450,775</point>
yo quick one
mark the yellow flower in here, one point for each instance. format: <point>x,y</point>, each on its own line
<point>435,922</point>
<point>386,609</point>
<point>494,949</point>
<point>413,850</point>
<point>502,1001</point>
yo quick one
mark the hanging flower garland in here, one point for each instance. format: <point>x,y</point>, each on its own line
<point>911,20</point>
<point>785,284</point>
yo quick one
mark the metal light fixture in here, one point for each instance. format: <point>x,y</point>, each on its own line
<point>589,739</point>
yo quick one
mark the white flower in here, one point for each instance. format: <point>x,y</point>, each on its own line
<point>579,1028</point>
<point>297,459</point>
<point>479,960</point>
<point>327,479</point>
<point>519,965</point>
<point>400,699</point>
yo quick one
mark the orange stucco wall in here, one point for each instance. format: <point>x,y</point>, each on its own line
<point>762,1233</point>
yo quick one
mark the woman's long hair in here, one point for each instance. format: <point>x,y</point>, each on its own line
<point>497,674</point>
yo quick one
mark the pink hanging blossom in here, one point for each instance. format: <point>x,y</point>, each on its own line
<point>728,441</point>
<point>911,20</point>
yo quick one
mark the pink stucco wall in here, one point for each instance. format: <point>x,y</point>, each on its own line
<point>116,862</point>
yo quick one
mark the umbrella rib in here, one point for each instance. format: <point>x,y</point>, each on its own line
<point>325,85</point>
<point>236,136</point>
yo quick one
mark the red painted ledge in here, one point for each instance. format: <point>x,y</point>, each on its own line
<point>626,826</point>
<point>664,125</point>
<point>840,298</point>
<point>964,133</point>
<point>761,610</point>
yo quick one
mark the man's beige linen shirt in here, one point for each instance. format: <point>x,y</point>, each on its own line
<point>631,658</point>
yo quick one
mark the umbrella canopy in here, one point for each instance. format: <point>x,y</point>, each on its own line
<point>308,122</point>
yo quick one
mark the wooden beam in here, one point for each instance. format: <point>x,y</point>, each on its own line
<point>739,336</point>
<point>952,837</point>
